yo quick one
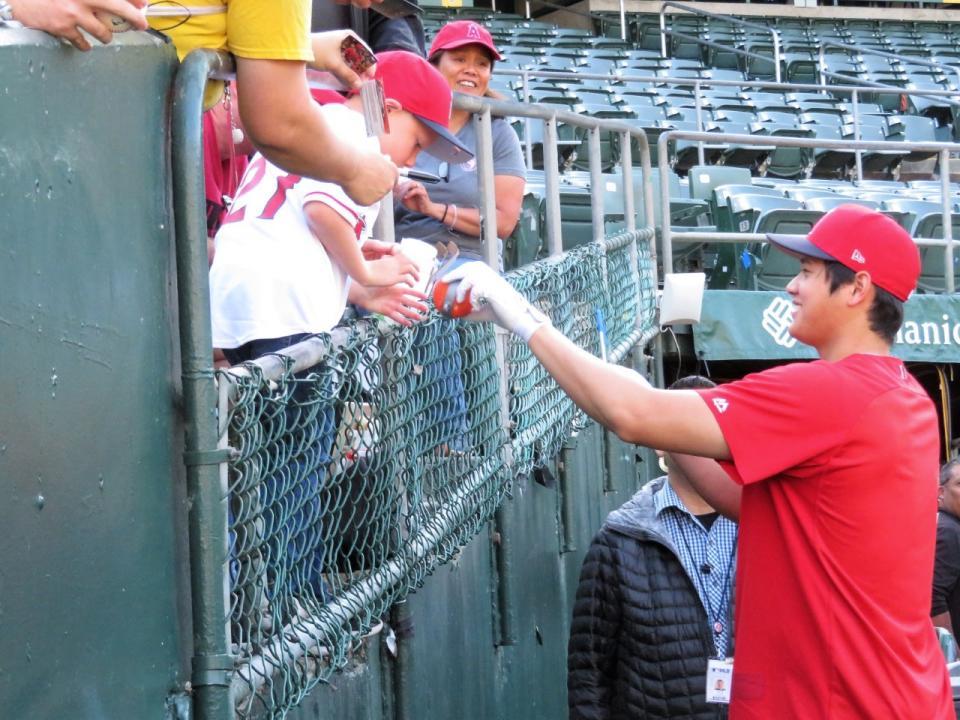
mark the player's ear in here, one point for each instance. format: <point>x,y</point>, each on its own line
<point>860,287</point>
<point>392,105</point>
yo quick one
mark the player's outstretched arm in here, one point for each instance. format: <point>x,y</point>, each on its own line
<point>617,398</point>
<point>286,125</point>
<point>623,401</point>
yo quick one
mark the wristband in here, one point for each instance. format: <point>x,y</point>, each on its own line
<point>445,209</point>
<point>528,322</point>
<point>456,216</point>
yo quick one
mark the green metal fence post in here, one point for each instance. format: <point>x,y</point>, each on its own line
<point>212,661</point>
<point>506,632</point>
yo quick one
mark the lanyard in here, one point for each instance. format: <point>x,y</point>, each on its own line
<point>716,618</point>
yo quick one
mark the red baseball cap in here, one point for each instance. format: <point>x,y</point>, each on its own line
<point>861,239</point>
<point>422,91</point>
<point>463,32</point>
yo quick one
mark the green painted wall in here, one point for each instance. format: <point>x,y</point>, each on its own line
<point>89,622</point>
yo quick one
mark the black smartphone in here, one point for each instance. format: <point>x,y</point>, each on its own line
<point>424,177</point>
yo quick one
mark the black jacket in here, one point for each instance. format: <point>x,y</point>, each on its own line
<point>946,569</point>
<point>640,638</point>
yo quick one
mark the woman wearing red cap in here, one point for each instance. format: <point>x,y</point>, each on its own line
<point>464,53</point>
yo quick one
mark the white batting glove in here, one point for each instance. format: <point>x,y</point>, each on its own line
<point>477,292</point>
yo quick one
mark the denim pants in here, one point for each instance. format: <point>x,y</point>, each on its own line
<point>289,497</point>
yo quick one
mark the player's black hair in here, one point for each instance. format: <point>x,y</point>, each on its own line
<point>691,382</point>
<point>886,313</point>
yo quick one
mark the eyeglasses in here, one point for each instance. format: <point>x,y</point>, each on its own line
<point>443,170</point>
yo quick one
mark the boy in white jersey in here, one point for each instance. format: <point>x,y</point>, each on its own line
<point>292,250</point>
<point>289,254</point>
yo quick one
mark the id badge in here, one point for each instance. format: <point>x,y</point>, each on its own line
<point>719,680</point>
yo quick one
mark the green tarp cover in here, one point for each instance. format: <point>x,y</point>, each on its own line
<point>752,325</point>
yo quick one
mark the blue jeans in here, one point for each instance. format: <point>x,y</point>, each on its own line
<point>289,497</point>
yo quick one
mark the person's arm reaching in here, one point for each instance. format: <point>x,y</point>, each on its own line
<point>400,303</point>
<point>286,125</point>
<point>617,398</point>
<point>340,241</point>
<point>65,18</point>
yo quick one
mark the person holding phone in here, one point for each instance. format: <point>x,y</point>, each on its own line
<point>464,53</point>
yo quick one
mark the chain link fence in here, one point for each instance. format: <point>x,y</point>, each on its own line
<point>355,478</point>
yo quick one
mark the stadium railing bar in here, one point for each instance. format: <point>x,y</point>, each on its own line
<point>946,97</point>
<point>737,22</point>
<point>326,482</point>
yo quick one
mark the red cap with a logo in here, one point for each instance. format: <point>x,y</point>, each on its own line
<point>422,91</point>
<point>861,239</point>
<point>463,32</point>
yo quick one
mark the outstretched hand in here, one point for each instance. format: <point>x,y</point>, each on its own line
<point>390,270</point>
<point>479,293</point>
<point>400,303</point>
<point>65,18</point>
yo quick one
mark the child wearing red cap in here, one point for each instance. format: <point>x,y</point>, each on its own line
<point>291,249</point>
<point>829,466</point>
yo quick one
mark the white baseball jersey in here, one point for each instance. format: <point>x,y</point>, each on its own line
<point>271,277</point>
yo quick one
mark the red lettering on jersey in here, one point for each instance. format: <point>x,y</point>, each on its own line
<point>251,179</point>
<point>284,183</point>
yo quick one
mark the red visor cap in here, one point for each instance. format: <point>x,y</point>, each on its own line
<point>463,32</point>
<point>861,239</point>
<point>422,91</point>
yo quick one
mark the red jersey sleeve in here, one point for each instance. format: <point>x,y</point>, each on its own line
<point>783,418</point>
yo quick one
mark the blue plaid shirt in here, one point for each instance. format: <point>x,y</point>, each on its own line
<point>697,548</point>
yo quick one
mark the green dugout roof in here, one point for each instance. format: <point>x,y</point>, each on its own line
<point>752,325</point>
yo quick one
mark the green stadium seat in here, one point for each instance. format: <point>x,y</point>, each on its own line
<point>720,203</point>
<point>932,259</point>
<point>825,203</point>
<point>788,162</point>
<point>704,179</point>
<point>777,269</point>
<point>525,243</point>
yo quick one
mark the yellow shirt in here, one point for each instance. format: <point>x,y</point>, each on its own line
<point>256,29</point>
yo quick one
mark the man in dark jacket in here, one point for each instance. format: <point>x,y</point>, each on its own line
<point>945,609</point>
<point>654,603</point>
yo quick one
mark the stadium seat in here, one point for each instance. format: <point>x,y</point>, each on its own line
<point>932,258</point>
<point>826,203</point>
<point>776,268</point>
<point>703,179</point>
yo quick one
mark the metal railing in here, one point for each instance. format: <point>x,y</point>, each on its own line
<point>903,59</point>
<point>669,236</point>
<point>709,43</point>
<point>597,17</point>
<point>947,97</point>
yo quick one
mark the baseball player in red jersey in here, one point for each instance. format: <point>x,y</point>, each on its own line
<point>829,466</point>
